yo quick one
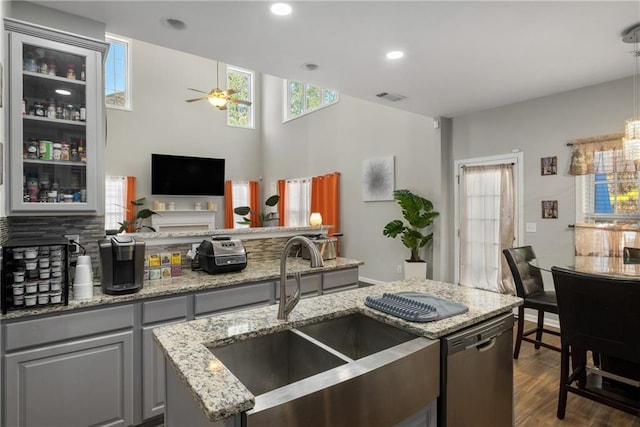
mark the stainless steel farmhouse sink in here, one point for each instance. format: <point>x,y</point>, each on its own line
<point>351,370</point>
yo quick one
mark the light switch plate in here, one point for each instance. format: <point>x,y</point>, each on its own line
<point>531,227</point>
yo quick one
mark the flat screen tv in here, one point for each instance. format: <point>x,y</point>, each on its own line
<point>186,176</point>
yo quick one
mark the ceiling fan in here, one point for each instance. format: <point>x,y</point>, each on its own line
<point>218,97</point>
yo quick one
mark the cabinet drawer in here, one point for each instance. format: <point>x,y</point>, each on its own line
<point>335,279</point>
<point>233,298</point>
<point>67,326</point>
<point>164,309</point>
<point>309,284</point>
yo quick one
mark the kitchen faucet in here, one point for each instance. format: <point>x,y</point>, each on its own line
<point>287,303</point>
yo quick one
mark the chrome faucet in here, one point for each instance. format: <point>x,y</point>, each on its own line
<point>287,303</point>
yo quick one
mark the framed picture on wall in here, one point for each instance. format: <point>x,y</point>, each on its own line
<point>549,165</point>
<point>378,179</point>
<point>549,209</point>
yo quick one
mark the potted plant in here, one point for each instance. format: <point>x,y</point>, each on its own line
<point>419,214</point>
<point>141,214</point>
<point>262,218</point>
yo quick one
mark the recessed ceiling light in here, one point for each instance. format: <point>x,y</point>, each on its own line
<point>280,9</point>
<point>63,92</point>
<point>395,54</point>
<point>174,23</point>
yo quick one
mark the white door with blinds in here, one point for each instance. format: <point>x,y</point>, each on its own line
<point>488,201</point>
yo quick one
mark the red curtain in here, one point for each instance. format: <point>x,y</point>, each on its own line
<point>228,205</point>
<point>325,199</point>
<point>282,185</point>
<point>254,201</point>
<point>130,210</point>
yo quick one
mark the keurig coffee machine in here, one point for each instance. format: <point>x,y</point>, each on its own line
<point>121,265</point>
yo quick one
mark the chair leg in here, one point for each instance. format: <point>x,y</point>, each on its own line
<point>516,350</point>
<point>564,378</point>
<point>539,328</point>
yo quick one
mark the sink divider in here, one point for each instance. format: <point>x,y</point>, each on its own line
<point>322,345</point>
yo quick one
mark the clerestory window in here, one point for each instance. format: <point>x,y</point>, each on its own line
<point>305,98</point>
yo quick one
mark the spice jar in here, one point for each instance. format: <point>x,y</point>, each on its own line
<point>32,149</point>
<point>75,156</point>
<point>71,71</point>
<point>65,152</point>
<point>82,151</point>
<point>38,109</point>
<point>83,73</point>
<point>30,63</point>
<point>52,68</point>
<point>51,110</point>
<point>57,150</point>
<point>43,67</point>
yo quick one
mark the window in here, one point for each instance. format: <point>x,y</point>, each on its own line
<point>115,201</point>
<point>611,192</point>
<point>304,98</point>
<point>240,197</point>
<point>298,203</point>
<point>117,73</point>
<point>241,81</point>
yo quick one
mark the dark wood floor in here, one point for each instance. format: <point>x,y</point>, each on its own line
<point>536,376</point>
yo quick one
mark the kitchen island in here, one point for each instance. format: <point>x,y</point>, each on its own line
<point>220,396</point>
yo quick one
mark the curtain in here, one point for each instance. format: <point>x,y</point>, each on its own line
<point>254,202</point>
<point>298,201</point>
<point>487,226</point>
<point>228,205</point>
<point>325,199</point>
<point>282,205</point>
<point>584,160</point>
<point>130,195</point>
<point>605,239</point>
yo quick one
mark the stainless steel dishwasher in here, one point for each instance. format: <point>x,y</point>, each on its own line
<point>476,383</point>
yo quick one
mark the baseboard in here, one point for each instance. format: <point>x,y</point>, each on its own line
<point>370,281</point>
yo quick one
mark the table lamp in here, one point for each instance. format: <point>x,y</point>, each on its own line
<point>315,219</point>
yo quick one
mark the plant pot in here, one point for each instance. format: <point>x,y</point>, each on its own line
<point>415,270</point>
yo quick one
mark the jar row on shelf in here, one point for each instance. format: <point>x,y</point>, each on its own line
<point>55,110</point>
<point>44,149</point>
<point>49,66</point>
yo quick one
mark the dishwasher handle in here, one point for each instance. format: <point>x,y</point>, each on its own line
<point>484,345</point>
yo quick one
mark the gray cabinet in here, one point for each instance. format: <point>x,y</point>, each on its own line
<point>310,285</point>
<point>70,370</point>
<point>56,121</point>
<point>157,313</point>
<point>340,280</point>
<point>234,298</point>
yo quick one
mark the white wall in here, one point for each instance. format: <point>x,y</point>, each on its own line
<point>162,122</point>
<point>541,128</point>
<point>339,138</point>
<point>4,150</point>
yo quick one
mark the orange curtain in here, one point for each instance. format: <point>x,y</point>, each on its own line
<point>325,199</point>
<point>254,201</point>
<point>228,205</point>
<point>130,211</point>
<point>282,185</point>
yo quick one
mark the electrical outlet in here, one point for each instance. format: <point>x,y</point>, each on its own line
<point>73,239</point>
<point>399,269</point>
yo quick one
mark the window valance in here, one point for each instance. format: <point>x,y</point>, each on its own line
<point>584,159</point>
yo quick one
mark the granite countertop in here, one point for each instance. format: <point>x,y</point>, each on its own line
<point>190,281</point>
<point>222,395</point>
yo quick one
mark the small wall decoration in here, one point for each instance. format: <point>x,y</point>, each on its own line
<point>549,165</point>
<point>549,209</point>
<point>378,179</point>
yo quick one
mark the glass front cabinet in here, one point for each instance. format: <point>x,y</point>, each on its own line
<point>56,121</point>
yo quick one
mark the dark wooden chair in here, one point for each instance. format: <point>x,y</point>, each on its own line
<point>599,314</point>
<point>530,287</point>
<point>630,255</point>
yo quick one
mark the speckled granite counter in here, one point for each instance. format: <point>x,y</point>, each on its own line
<point>191,281</point>
<point>220,394</point>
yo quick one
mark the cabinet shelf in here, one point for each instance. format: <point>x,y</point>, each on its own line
<point>55,163</point>
<point>53,78</point>
<point>57,121</point>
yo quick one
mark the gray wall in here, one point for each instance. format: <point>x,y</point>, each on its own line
<point>541,128</point>
<point>339,138</point>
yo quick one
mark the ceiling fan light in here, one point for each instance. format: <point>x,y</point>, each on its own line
<point>217,102</point>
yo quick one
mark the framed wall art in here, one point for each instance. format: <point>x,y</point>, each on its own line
<point>549,165</point>
<point>378,179</point>
<point>549,209</point>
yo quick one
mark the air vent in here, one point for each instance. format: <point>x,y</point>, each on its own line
<point>390,96</point>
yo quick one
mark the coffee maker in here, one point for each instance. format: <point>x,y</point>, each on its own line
<point>121,265</point>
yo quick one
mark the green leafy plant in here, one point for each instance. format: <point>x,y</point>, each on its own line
<point>261,218</point>
<point>141,215</point>
<point>419,214</point>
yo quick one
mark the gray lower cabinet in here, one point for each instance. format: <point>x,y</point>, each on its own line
<point>157,313</point>
<point>234,298</point>
<point>88,382</point>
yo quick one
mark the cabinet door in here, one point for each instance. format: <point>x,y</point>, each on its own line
<point>153,371</point>
<point>56,125</point>
<point>81,383</point>
<point>234,298</point>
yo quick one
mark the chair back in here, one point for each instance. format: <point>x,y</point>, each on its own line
<point>599,313</point>
<point>630,255</point>
<point>527,279</point>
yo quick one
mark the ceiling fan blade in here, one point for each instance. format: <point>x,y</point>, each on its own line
<point>196,90</point>
<point>228,92</point>
<point>222,107</point>
<point>239,101</point>
<point>197,99</point>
